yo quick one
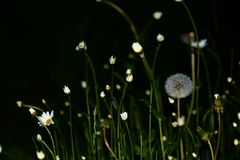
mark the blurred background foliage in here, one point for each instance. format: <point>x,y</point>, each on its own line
<point>38,40</point>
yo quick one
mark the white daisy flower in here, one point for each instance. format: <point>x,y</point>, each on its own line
<point>46,119</point>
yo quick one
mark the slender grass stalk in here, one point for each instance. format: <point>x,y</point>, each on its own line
<point>198,62</point>
<point>219,135</point>
<point>71,128</point>
<point>49,149</point>
<point>150,125</point>
<point>161,139</point>
<point>107,144</point>
<point>181,149</point>
<point>141,147</point>
<point>130,140</point>
<point>211,149</point>
<point>34,107</point>
<point>178,116</point>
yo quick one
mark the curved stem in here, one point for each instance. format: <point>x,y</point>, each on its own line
<point>211,149</point>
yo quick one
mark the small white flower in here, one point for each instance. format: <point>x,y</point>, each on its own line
<point>229,80</point>
<point>19,103</point>
<point>102,94</point>
<point>0,148</point>
<point>148,92</point>
<point>178,0</point>
<point>157,15</point>
<point>160,37</point>
<point>32,111</point>
<point>98,0</point>
<point>181,121</point>
<point>129,71</point>
<point>171,100</point>
<point>194,155</point>
<point>82,45</point>
<point>57,157</point>
<point>79,115</point>
<point>66,90</point>
<point>40,155</point>
<point>44,101</point>
<point>174,114</point>
<point>164,138</point>
<point>170,157</point>
<point>137,48</point>
<point>235,124</point>
<point>112,60</point>
<point>39,137</point>
<point>174,124</point>
<point>201,44</point>
<point>83,157</point>
<point>118,86</point>
<point>84,84</point>
<point>124,116</point>
<point>107,87</point>
<point>46,119</point>
<point>236,142</point>
<point>238,115</point>
<point>129,78</point>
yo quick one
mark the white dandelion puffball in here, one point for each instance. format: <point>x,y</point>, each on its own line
<point>178,86</point>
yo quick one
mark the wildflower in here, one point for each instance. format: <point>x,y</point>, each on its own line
<point>107,87</point>
<point>19,103</point>
<point>66,103</point>
<point>164,138</point>
<point>129,78</point>
<point>174,124</point>
<point>194,155</point>
<point>102,94</point>
<point>129,71</point>
<point>148,92</point>
<point>137,48</point>
<point>57,157</point>
<point>79,115</point>
<point>83,157</point>
<point>32,111</point>
<point>82,45</point>
<point>84,84</point>
<point>178,0</point>
<point>44,101</point>
<point>124,116</point>
<point>112,60</point>
<point>238,115</point>
<point>39,137</point>
<point>118,86</point>
<point>160,37</point>
<point>234,124</point>
<point>0,148</point>
<point>178,86</point>
<point>46,118</point>
<point>170,157</point>
<point>66,90</point>
<point>157,15</point>
<point>171,100</point>
<point>181,121</point>
<point>201,44</point>
<point>40,155</point>
<point>236,142</point>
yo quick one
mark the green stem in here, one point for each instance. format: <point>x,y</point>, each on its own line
<point>150,125</point>
<point>130,139</point>
<point>161,139</point>
<point>211,149</point>
<point>71,129</point>
<point>219,135</point>
<point>181,149</point>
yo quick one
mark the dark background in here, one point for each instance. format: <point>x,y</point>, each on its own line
<point>38,40</point>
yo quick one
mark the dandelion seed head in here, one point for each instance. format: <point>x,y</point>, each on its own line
<point>40,155</point>
<point>124,116</point>
<point>157,15</point>
<point>160,37</point>
<point>137,48</point>
<point>112,60</point>
<point>178,86</point>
